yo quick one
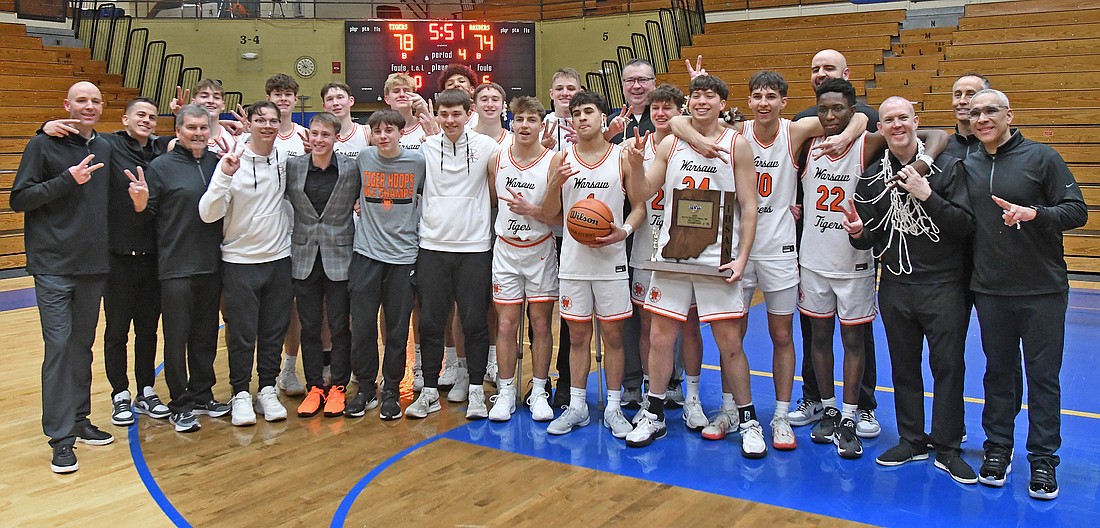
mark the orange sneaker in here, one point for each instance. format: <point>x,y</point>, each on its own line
<point>334,404</point>
<point>312,403</point>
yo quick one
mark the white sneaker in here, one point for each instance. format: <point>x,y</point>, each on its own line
<point>694,417</point>
<point>615,420</point>
<point>461,387</point>
<point>476,410</point>
<point>427,402</point>
<point>504,404</point>
<point>720,425</point>
<point>290,384</point>
<point>418,378</point>
<point>807,412</point>
<point>752,440</point>
<point>568,420</point>
<point>491,372</point>
<point>447,377</point>
<point>243,413</point>
<point>782,436</point>
<point>649,428</point>
<point>540,407</point>
<point>269,404</point>
<point>644,406</point>
<point>867,425</point>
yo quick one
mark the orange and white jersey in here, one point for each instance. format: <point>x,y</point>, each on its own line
<point>776,190</point>
<point>350,142</point>
<point>504,139</point>
<point>529,181</point>
<point>828,183</point>
<point>642,250</point>
<point>410,138</point>
<point>603,181</point>
<point>224,136</point>
<point>291,144</point>
<point>688,169</point>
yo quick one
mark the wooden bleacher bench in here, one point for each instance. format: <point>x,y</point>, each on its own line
<point>1024,116</point>
<point>766,36</point>
<point>1026,7</point>
<point>735,75</point>
<point>1012,21</point>
<point>908,49</point>
<point>1051,81</point>
<point>1027,34</point>
<point>806,22</point>
<point>872,43</point>
<point>1046,48</point>
<point>1022,65</point>
<point>1021,99</point>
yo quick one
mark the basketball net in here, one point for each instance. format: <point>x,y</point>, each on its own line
<point>906,215</point>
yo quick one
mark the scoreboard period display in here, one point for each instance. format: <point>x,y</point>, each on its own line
<point>500,52</point>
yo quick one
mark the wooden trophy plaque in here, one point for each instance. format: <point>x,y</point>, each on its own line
<point>696,214</point>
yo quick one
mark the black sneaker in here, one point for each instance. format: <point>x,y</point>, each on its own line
<point>955,466</point>
<point>847,442</point>
<point>391,408</point>
<point>185,422</point>
<point>823,430</point>
<point>152,406</point>
<point>561,397</point>
<point>122,414</point>
<point>902,453</point>
<point>64,459</point>
<point>92,435</point>
<point>212,408</point>
<point>1044,483</point>
<point>996,465</point>
<point>362,402</point>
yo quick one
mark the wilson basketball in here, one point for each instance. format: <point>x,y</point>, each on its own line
<point>588,219</point>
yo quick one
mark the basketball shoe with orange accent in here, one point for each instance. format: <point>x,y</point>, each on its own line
<point>335,401</point>
<point>312,404</point>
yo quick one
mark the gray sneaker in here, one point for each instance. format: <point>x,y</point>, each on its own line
<point>185,422</point>
<point>632,398</point>
<point>806,413</point>
<point>674,396</point>
<point>568,420</point>
<point>426,403</point>
<point>151,406</point>
<point>615,420</point>
<point>213,409</point>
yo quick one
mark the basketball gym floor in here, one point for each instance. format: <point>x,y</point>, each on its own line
<point>446,471</point>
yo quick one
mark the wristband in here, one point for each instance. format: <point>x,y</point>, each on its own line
<point>629,229</point>
<point>926,159</point>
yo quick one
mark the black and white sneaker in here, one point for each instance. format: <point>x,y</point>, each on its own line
<point>212,408</point>
<point>648,429</point>
<point>902,453</point>
<point>64,459</point>
<point>391,408</point>
<point>847,442</point>
<point>955,466</point>
<point>996,465</point>
<point>185,422</point>
<point>1044,482</point>
<point>151,406</point>
<point>122,415</point>
<point>361,403</point>
<point>824,429</point>
<point>92,435</point>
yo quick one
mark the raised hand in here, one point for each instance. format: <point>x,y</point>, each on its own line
<point>851,223</point>
<point>60,127</point>
<point>570,133</point>
<point>416,104</point>
<point>428,122</point>
<point>698,69</point>
<point>564,172</point>
<point>520,205</point>
<point>304,136</point>
<point>548,129</point>
<point>1014,214</point>
<point>182,97</point>
<point>636,147</point>
<point>231,161</point>
<point>241,116</point>
<point>619,122</point>
<point>82,172</point>
<point>139,189</point>
<point>711,149</point>
<point>834,146</point>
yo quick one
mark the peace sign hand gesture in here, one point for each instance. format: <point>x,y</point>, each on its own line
<point>851,223</point>
<point>82,172</point>
<point>548,139</point>
<point>182,97</point>
<point>139,189</point>
<point>697,70</point>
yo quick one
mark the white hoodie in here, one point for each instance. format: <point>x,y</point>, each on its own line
<point>256,227</point>
<point>455,215</point>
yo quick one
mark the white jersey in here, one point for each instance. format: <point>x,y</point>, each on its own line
<point>604,182</point>
<point>291,144</point>
<point>776,187</point>
<point>559,131</point>
<point>504,139</point>
<point>828,183</point>
<point>350,143</point>
<point>529,181</point>
<point>688,169</point>
<point>642,250</point>
<point>224,136</point>
<point>411,138</point>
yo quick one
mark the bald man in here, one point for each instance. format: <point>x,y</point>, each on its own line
<point>61,186</point>
<point>963,141</point>
<point>831,64</point>
<point>922,290</point>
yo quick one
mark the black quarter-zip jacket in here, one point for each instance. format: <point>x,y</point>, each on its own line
<point>65,223</point>
<point>1029,260</point>
<point>130,232</point>
<point>186,245</point>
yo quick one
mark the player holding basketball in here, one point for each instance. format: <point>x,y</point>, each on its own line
<point>525,262</point>
<point>678,166</point>
<point>593,279</point>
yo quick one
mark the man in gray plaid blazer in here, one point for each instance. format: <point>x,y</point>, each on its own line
<point>323,189</point>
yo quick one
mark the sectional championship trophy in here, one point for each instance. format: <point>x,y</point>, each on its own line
<point>696,215</point>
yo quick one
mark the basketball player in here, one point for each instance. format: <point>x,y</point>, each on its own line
<point>963,141</point>
<point>1020,286</point>
<point>489,105</point>
<point>247,192</point>
<point>209,94</point>
<point>460,77</point>
<point>525,262</point>
<point>564,84</point>
<point>593,279</point>
<point>920,231</point>
<point>455,262</point>
<point>337,99</point>
<point>382,273</point>
<point>677,166</point>
<point>65,204</point>
<point>400,94</point>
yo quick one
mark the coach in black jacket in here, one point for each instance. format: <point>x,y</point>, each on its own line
<point>1023,197</point>
<point>64,195</point>
<point>189,268</point>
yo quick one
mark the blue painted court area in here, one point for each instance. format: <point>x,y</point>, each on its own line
<point>813,478</point>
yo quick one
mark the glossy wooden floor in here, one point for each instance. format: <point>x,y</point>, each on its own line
<point>314,471</point>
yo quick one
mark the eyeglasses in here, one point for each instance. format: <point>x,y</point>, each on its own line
<point>265,122</point>
<point>988,111</point>
<point>638,80</point>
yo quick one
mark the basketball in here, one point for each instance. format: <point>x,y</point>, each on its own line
<point>588,219</point>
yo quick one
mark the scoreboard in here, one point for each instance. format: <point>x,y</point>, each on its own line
<point>500,52</point>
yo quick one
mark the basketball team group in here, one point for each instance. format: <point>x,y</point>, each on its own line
<point>337,237</point>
